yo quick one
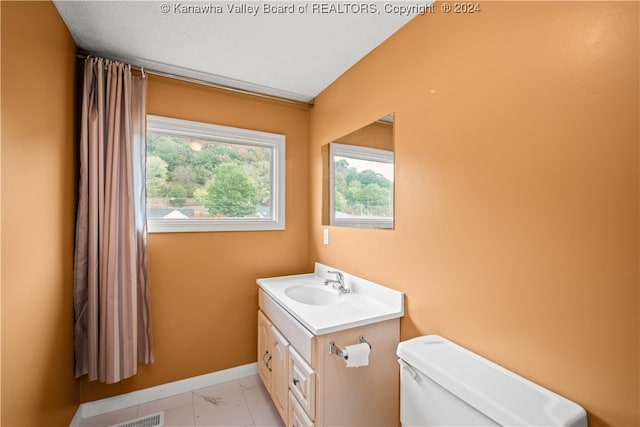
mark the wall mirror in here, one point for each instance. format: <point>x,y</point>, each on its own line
<point>358,177</point>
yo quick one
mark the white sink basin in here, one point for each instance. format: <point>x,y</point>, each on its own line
<point>322,309</point>
<point>312,295</point>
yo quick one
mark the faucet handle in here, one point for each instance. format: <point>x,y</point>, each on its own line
<point>339,276</point>
<point>340,281</point>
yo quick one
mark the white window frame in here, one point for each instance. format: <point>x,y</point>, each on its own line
<point>361,153</point>
<point>218,133</point>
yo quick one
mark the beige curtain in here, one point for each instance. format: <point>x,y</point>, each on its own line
<point>111,295</point>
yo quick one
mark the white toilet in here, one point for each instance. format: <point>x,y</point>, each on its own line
<point>443,384</point>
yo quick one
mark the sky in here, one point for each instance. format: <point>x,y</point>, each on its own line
<point>385,169</point>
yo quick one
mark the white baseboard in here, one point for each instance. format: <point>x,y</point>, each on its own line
<point>77,418</point>
<point>98,407</point>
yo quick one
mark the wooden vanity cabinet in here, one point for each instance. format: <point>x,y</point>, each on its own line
<point>315,388</point>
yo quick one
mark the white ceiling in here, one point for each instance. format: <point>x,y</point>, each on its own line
<point>291,55</point>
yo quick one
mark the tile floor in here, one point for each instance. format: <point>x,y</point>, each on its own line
<point>244,402</point>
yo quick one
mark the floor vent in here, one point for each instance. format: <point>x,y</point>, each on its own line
<point>153,420</point>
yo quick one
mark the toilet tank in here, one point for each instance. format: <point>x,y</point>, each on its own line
<point>443,384</point>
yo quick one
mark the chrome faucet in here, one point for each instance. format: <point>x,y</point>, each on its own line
<point>339,281</point>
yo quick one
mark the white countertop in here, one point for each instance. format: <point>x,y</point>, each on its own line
<point>367,302</point>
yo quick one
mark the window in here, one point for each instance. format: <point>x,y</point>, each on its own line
<point>361,186</point>
<point>205,177</point>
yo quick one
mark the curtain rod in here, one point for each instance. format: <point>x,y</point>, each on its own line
<point>211,84</point>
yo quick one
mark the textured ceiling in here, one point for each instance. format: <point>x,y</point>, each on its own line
<point>294,52</point>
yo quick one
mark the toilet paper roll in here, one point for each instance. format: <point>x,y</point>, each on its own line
<point>357,355</point>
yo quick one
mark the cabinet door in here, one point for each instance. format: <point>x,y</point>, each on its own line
<point>279,373</point>
<point>264,351</point>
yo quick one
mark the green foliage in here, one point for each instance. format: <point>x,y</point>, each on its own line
<point>201,195</point>
<point>375,197</point>
<point>156,177</point>
<point>232,193</point>
<point>177,195</point>
<point>175,151</point>
<point>185,177</point>
<point>368,176</point>
<point>363,192</point>
<point>197,173</point>
<point>340,202</point>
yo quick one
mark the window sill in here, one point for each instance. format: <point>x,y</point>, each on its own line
<point>212,225</point>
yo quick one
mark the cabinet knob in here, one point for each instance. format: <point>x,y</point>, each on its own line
<point>296,381</point>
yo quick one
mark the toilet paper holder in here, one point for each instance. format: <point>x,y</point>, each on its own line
<point>334,349</point>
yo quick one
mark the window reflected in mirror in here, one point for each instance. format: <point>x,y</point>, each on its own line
<point>359,178</point>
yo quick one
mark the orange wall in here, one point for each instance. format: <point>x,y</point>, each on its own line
<point>375,135</point>
<point>204,296</point>
<point>0,224</point>
<point>38,210</point>
<point>517,133</point>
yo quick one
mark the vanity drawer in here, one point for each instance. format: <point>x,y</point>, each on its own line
<point>302,383</point>
<point>297,416</point>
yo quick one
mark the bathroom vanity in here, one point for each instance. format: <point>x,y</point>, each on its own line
<point>305,332</point>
